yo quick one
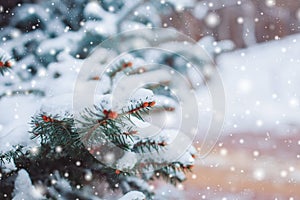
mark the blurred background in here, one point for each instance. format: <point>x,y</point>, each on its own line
<point>258,153</point>
<point>245,22</point>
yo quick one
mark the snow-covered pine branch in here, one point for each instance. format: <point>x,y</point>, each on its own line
<point>73,142</point>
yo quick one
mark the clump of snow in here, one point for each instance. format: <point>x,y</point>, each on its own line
<point>200,10</point>
<point>24,188</point>
<point>181,4</point>
<point>133,195</point>
<point>123,163</point>
<point>93,10</point>
<point>212,47</point>
<point>16,122</point>
<point>141,95</point>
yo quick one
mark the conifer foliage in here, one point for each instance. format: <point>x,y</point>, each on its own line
<point>66,160</point>
<point>5,62</point>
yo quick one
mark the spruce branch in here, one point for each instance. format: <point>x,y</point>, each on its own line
<point>98,125</point>
<point>65,140</point>
<point>147,145</point>
<point>5,63</point>
<point>58,144</point>
<point>16,152</point>
<point>122,66</point>
<point>172,172</point>
<point>139,70</point>
<point>109,125</point>
<point>55,131</point>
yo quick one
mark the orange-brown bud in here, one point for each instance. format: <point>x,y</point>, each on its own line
<point>190,166</point>
<point>45,118</point>
<point>112,115</point>
<point>151,104</point>
<point>128,64</point>
<point>8,64</point>
<point>146,104</point>
<point>162,143</point>
<point>95,78</point>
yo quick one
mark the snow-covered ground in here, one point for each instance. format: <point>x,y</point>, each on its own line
<point>257,154</point>
<point>262,87</point>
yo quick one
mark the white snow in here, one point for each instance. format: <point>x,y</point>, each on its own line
<point>133,195</point>
<point>200,10</point>
<point>15,121</point>
<point>93,10</point>
<point>262,88</point>
<point>127,162</point>
<point>24,188</point>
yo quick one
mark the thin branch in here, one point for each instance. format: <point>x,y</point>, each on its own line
<point>36,92</point>
<point>126,13</point>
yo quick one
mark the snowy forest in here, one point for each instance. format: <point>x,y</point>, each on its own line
<point>149,99</point>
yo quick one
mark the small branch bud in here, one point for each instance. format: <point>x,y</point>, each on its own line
<point>8,64</point>
<point>146,104</point>
<point>151,104</point>
<point>45,118</point>
<point>112,115</point>
<point>128,64</point>
<point>163,143</point>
